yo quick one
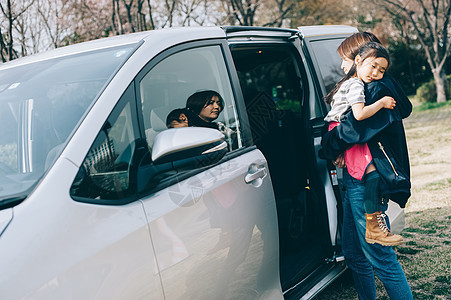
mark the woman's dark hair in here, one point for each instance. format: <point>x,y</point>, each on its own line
<point>200,99</point>
<point>350,46</point>
<point>371,49</point>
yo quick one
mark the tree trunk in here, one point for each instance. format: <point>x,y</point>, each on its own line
<point>117,16</point>
<point>128,7</point>
<point>10,31</point>
<point>440,84</point>
<point>152,24</point>
<point>2,47</point>
<point>141,17</point>
<point>113,18</point>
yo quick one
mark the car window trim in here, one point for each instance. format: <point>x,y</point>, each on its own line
<point>121,103</point>
<point>299,66</point>
<point>238,98</point>
<point>155,61</point>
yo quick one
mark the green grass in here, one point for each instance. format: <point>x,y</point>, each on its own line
<point>431,105</point>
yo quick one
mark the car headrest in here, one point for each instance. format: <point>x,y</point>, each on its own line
<point>158,118</point>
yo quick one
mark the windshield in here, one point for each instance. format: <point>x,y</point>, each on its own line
<point>40,105</point>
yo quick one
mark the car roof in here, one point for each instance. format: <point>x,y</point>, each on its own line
<point>154,36</point>
<point>77,48</point>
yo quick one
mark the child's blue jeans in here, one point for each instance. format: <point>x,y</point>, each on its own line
<point>366,259</point>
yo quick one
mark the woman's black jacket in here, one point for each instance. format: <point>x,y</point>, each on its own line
<point>385,136</point>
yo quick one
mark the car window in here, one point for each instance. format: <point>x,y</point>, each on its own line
<point>106,173</point>
<point>169,84</point>
<point>328,60</point>
<point>271,85</point>
<point>269,71</point>
<point>41,103</point>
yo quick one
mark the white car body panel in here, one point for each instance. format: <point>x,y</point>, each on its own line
<point>396,216</point>
<point>56,241</point>
<point>6,216</point>
<point>186,222</point>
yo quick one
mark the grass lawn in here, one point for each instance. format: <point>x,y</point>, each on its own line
<point>426,255</point>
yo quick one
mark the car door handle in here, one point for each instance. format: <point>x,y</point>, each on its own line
<point>259,173</point>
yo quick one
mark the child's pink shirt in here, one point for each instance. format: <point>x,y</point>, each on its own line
<point>357,158</point>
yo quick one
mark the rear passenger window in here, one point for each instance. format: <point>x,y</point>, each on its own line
<point>328,60</point>
<point>165,90</point>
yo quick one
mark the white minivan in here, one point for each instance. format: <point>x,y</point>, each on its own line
<point>100,200</point>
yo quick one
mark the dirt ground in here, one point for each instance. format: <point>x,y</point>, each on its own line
<point>426,254</point>
<point>429,142</point>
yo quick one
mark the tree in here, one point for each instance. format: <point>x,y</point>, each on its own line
<point>4,55</point>
<point>170,6</point>
<point>284,9</point>
<point>116,18</point>
<point>51,15</point>
<point>142,24</point>
<point>85,20</point>
<point>243,11</point>
<point>320,12</point>
<point>194,11</point>
<point>256,12</point>
<point>11,12</point>
<point>430,21</point>
<point>129,7</point>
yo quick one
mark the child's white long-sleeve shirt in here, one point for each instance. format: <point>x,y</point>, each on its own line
<point>352,91</point>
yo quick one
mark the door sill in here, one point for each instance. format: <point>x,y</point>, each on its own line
<point>316,282</point>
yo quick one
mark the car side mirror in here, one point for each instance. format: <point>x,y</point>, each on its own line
<point>179,149</point>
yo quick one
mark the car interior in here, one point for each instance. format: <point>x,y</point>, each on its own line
<point>273,92</point>
<point>167,87</point>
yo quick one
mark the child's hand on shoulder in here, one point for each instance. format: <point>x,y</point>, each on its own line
<point>388,102</point>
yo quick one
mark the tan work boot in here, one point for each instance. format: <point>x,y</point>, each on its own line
<point>378,232</point>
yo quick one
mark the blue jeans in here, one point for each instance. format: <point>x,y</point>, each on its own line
<point>366,259</point>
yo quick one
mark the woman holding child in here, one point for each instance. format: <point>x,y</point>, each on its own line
<point>374,122</point>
